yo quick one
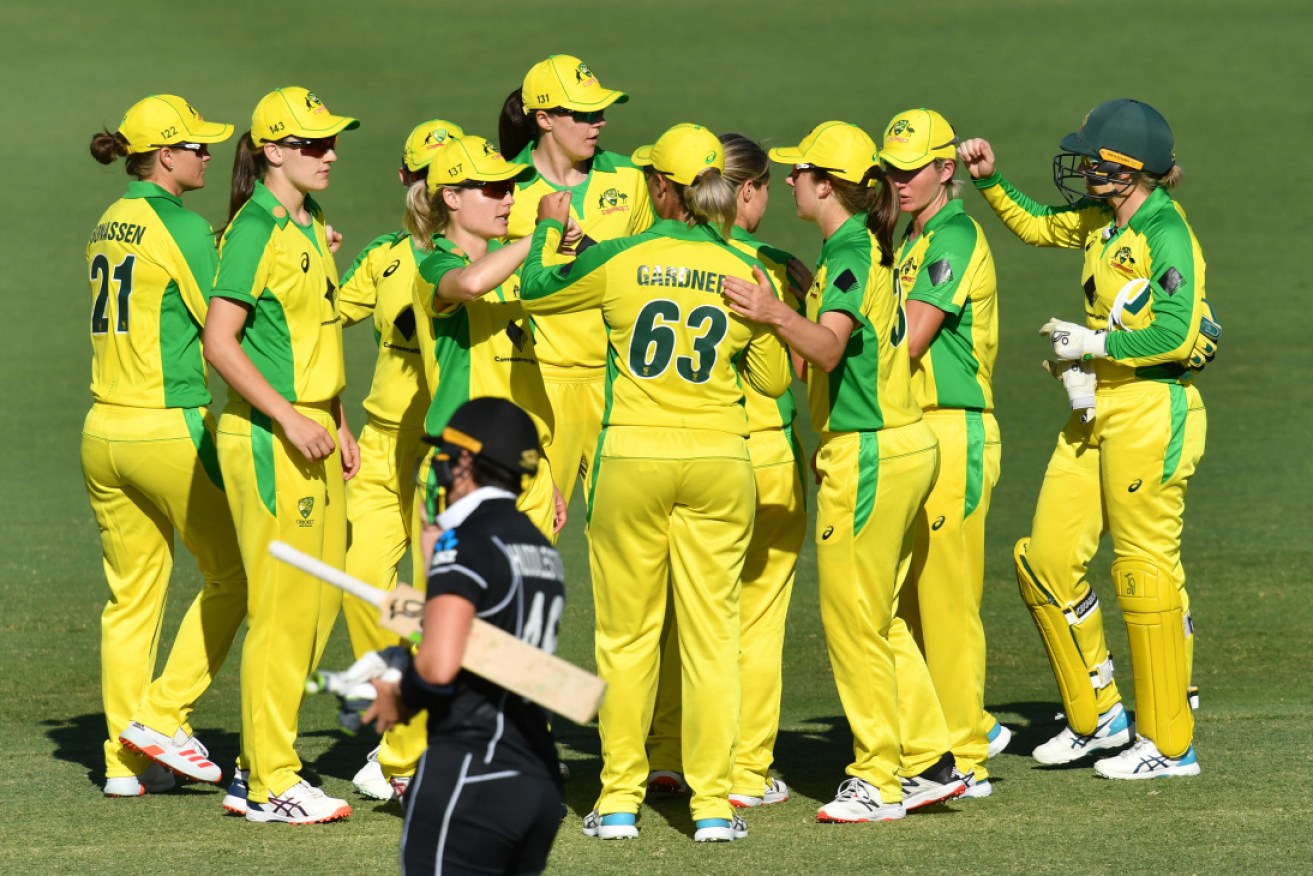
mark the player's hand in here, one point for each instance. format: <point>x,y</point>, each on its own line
<point>555,206</point>
<point>350,452</point>
<point>754,301</point>
<point>429,534</point>
<point>1075,342</point>
<point>1079,384</point>
<point>387,710</point>
<point>313,440</point>
<point>800,278</point>
<point>559,512</point>
<point>978,156</point>
<point>1210,335</point>
<point>334,239</point>
<point>571,236</point>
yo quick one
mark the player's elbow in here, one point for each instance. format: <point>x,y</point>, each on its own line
<point>438,668</point>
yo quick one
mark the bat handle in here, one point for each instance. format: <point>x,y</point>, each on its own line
<point>283,551</point>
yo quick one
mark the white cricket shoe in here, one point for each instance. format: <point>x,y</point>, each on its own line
<point>720,830</point>
<point>155,779</point>
<point>1115,729</point>
<point>859,801</point>
<point>934,785</point>
<point>666,782</point>
<point>181,753</point>
<point>616,825</point>
<point>977,789</point>
<point>1143,760</point>
<point>400,784</point>
<point>300,804</point>
<point>369,780</point>
<point>776,792</point>
<point>999,738</point>
<point>235,800</point>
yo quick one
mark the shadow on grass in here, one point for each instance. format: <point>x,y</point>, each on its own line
<point>80,739</point>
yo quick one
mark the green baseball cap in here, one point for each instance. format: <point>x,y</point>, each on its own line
<point>1125,131</point>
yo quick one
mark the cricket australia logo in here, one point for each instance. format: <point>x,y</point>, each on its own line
<point>490,150</point>
<point>613,200</point>
<point>583,76</point>
<point>907,273</point>
<point>312,103</point>
<point>436,137</point>
<point>900,130</point>
<point>305,507</point>
<point>1123,262</point>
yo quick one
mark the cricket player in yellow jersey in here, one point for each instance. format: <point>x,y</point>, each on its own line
<point>148,453</point>
<point>670,497</point>
<point>379,286</point>
<point>274,332</point>
<point>552,124</point>
<point>1136,434</point>
<point>778,531</point>
<point>483,342</point>
<point>945,275</point>
<point>876,463</point>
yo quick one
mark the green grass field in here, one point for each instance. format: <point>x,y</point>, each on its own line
<point>1231,77</point>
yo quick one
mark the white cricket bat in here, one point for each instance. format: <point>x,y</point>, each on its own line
<point>490,652</point>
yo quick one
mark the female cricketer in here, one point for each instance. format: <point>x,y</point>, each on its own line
<point>777,534</point>
<point>944,272</point>
<point>379,286</point>
<point>876,463</point>
<point>552,124</point>
<point>487,796</point>
<point>274,332</point>
<point>1124,458</point>
<point>667,510</point>
<point>148,453</point>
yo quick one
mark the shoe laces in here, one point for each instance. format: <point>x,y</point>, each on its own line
<point>856,789</point>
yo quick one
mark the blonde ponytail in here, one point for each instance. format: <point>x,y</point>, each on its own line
<point>710,199</point>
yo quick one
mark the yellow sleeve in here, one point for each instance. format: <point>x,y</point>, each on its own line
<point>1036,224</point>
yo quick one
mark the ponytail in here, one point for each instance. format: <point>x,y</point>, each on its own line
<point>745,160</point>
<point>516,129</point>
<point>711,200</point>
<point>107,147</point>
<point>1169,180</point>
<point>878,201</point>
<point>425,215</point>
<point>249,165</point>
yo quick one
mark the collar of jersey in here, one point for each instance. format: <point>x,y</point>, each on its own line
<point>948,211</point>
<point>680,230</point>
<point>1158,200</point>
<point>442,243</point>
<point>852,231</point>
<point>142,189</point>
<point>462,508</point>
<point>266,200</point>
<point>602,160</point>
<point>739,233</point>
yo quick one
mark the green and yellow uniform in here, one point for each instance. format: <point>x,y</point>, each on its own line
<point>612,202</point>
<point>149,462</point>
<point>1133,462</point>
<point>283,272</point>
<point>768,575</point>
<point>667,509</point>
<point>877,461</point>
<point>486,347</point>
<point>949,266</point>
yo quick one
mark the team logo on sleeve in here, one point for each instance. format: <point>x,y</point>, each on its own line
<point>1123,262</point>
<point>612,201</point>
<point>305,507</point>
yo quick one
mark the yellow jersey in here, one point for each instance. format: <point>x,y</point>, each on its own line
<point>151,262</point>
<point>672,343</point>
<point>284,272</point>
<point>765,412</point>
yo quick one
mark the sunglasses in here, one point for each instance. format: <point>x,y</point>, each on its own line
<point>590,117</point>
<point>315,148</point>
<point>495,189</point>
<point>201,149</point>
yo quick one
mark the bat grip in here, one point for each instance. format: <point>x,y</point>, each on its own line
<point>324,572</point>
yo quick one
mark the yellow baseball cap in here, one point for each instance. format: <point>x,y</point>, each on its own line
<point>917,137</point>
<point>294,112</point>
<point>839,148</point>
<point>683,153</point>
<point>469,158</point>
<point>425,141</point>
<point>165,119</point>
<point>565,81</point>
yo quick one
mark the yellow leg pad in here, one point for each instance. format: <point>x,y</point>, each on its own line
<point>1151,603</point>
<point>1072,635</point>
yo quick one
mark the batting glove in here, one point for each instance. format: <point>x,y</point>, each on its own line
<point>1075,342</point>
<point>1079,384</point>
<point>1205,344</point>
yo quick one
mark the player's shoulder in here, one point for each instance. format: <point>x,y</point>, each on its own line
<point>613,162</point>
<point>253,225</point>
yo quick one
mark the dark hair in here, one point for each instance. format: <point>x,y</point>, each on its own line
<point>249,165</point>
<point>516,128</point>
<point>490,474</point>
<point>106,147</point>
<point>745,160</point>
<point>878,201</point>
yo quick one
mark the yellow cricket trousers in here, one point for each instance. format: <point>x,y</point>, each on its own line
<point>275,493</point>
<point>941,599</point>
<point>1126,474</point>
<point>872,486</point>
<point>578,396</point>
<point>148,473</point>
<point>670,514</point>
<point>768,576</point>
